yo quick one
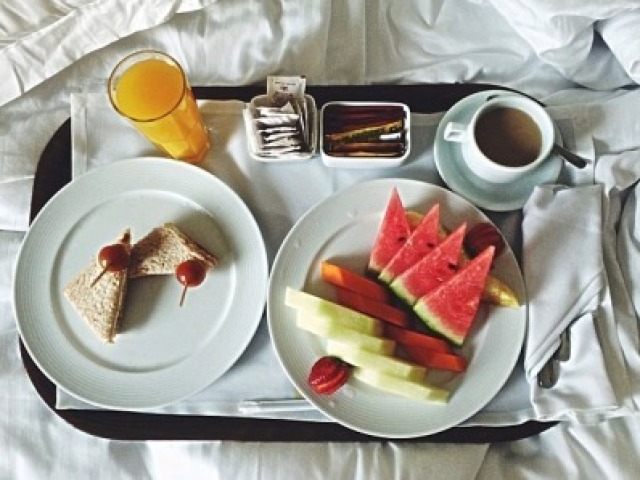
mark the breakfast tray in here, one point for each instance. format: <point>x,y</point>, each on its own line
<point>54,171</point>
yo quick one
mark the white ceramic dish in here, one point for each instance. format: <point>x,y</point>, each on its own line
<point>252,140</point>
<point>164,352</point>
<point>343,229</point>
<point>366,162</point>
<point>457,175</point>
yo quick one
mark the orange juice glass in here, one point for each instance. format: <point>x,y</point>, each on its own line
<point>150,89</point>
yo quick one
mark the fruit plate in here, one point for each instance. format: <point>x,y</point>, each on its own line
<point>343,229</point>
<point>164,352</point>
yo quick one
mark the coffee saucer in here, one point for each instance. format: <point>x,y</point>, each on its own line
<point>498,197</point>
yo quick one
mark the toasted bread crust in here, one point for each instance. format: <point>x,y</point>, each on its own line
<point>99,305</point>
<point>163,249</point>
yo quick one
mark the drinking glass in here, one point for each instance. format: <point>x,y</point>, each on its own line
<point>150,89</point>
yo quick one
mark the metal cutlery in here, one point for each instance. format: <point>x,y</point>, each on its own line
<point>550,372</point>
<point>569,156</point>
<point>249,407</point>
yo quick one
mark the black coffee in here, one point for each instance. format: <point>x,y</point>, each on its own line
<point>508,136</point>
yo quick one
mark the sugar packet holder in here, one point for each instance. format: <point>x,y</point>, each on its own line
<point>282,126</point>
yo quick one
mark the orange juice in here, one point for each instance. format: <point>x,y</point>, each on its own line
<point>151,90</point>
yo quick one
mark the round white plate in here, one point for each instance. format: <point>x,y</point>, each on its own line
<point>457,175</point>
<point>164,352</point>
<point>343,229</point>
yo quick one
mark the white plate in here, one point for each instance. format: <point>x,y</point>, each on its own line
<point>164,352</point>
<point>343,229</point>
<point>457,175</point>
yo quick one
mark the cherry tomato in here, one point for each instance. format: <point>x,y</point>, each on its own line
<point>190,273</point>
<point>112,258</point>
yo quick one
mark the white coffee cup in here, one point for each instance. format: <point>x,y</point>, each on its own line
<point>507,137</point>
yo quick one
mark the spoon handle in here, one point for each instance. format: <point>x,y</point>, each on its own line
<point>569,156</point>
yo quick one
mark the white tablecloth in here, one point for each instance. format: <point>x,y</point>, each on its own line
<point>572,54</point>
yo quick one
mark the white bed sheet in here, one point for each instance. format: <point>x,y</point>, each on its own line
<point>579,52</point>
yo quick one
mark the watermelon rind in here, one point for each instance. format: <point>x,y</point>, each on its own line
<point>393,233</point>
<point>422,240</point>
<point>451,308</point>
<point>437,323</point>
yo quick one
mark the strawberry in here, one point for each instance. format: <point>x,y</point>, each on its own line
<point>482,235</point>
<point>328,374</point>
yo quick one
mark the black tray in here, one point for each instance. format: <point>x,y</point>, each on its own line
<point>54,171</point>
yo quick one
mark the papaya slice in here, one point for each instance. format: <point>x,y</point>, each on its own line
<point>374,308</point>
<point>432,359</point>
<point>350,280</point>
<point>422,341</point>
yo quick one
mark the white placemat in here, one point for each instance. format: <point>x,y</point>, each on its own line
<point>278,195</point>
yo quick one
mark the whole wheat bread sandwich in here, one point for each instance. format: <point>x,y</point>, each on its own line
<point>99,297</point>
<point>163,249</point>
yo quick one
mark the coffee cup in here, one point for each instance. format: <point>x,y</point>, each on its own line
<point>506,138</point>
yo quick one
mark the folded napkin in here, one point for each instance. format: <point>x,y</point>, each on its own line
<point>562,263</point>
<point>565,277</point>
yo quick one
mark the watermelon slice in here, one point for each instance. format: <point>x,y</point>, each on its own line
<point>434,268</point>
<point>392,235</point>
<point>451,308</point>
<point>421,241</point>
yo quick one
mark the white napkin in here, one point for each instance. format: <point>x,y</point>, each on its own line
<point>565,279</point>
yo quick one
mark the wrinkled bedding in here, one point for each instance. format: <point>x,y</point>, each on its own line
<point>571,52</point>
<point>581,43</point>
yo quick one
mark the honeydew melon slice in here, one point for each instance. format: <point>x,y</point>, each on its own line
<point>332,329</point>
<point>359,357</point>
<point>415,390</point>
<point>319,307</point>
